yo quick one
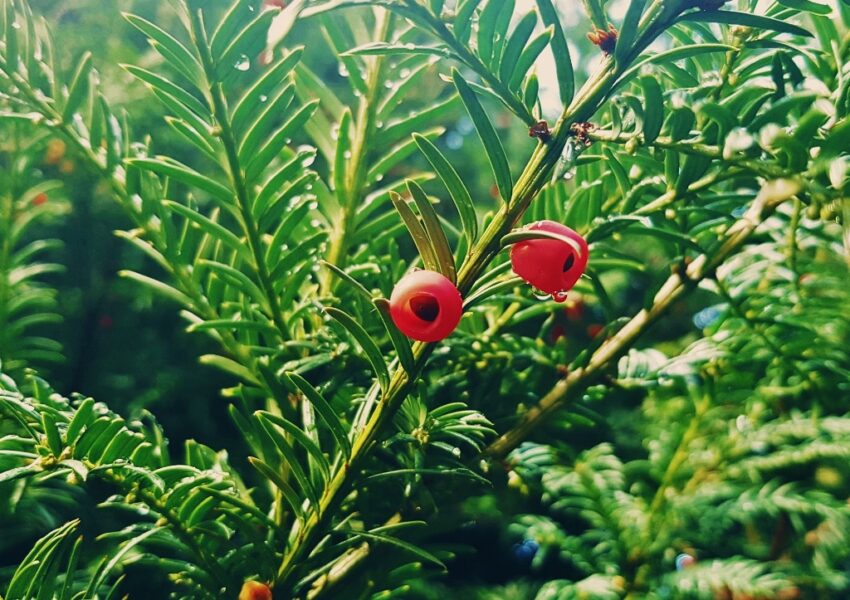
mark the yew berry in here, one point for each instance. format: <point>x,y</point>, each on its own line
<point>552,266</point>
<point>574,309</point>
<point>254,590</point>
<point>426,306</point>
<point>594,329</point>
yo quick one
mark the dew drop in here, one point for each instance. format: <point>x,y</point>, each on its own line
<point>456,452</point>
<point>543,296</point>
<point>243,63</point>
<point>404,73</point>
<point>343,71</point>
<point>560,296</point>
<point>16,25</point>
<point>263,97</point>
<point>347,154</point>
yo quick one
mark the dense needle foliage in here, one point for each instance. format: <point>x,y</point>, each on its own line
<point>678,428</point>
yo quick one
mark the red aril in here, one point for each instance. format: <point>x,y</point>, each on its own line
<point>550,265</point>
<point>426,306</point>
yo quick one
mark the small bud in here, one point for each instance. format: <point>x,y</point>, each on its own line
<point>55,152</point>
<point>539,130</point>
<point>581,132</point>
<point>606,40</point>
<point>254,590</point>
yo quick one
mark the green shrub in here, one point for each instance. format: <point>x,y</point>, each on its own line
<point>677,429</point>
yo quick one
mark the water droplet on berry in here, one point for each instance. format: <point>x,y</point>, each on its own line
<point>243,63</point>
<point>560,296</point>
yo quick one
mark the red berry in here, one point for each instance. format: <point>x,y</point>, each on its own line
<point>550,265</point>
<point>558,332</point>
<point>426,306</point>
<point>574,309</point>
<point>39,199</point>
<point>594,329</point>
<point>254,590</point>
